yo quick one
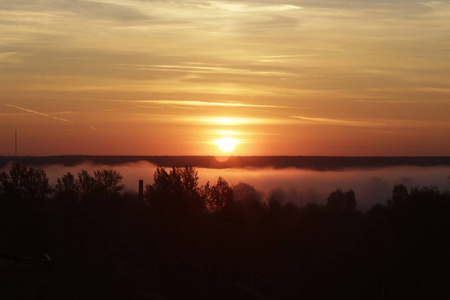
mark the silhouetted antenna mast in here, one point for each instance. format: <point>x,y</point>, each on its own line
<point>15,143</point>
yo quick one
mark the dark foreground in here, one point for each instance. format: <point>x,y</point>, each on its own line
<point>85,239</point>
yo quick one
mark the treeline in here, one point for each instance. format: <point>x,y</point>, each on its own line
<point>277,162</point>
<point>87,238</point>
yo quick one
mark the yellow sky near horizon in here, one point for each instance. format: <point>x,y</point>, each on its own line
<point>143,77</point>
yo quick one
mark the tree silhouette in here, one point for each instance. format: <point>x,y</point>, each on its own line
<point>342,201</point>
<point>86,184</point>
<point>67,187</point>
<point>399,197</point>
<point>217,196</point>
<point>24,193</point>
<point>176,192</point>
<point>246,193</point>
<point>24,184</point>
<point>244,248</point>
<point>107,183</point>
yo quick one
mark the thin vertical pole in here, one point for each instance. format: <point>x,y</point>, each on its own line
<point>15,143</point>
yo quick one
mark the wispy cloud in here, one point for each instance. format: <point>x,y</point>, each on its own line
<point>202,103</point>
<point>9,57</point>
<point>342,122</point>
<point>230,121</point>
<point>240,7</point>
<point>380,123</point>
<point>37,113</point>
<point>204,69</point>
<point>227,132</point>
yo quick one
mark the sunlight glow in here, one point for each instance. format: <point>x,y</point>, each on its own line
<point>233,121</point>
<point>226,144</point>
<point>227,132</point>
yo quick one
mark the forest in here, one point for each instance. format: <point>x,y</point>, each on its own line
<point>88,238</point>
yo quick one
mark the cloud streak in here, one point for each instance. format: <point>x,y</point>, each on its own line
<point>208,70</point>
<point>202,103</point>
<point>37,113</point>
<point>339,122</point>
<point>231,121</point>
<point>240,7</point>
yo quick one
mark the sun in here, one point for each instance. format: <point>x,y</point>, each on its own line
<point>226,144</point>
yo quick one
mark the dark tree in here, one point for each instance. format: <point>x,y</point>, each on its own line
<point>86,184</point>
<point>342,201</point>
<point>67,187</point>
<point>176,192</point>
<point>399,196</point>
<point>246,193</point>
<point>217,196</point>
<point>107,183</point>
<point>24,184</point>
<point>23,202</point>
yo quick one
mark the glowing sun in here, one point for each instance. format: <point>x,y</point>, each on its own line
<point>226,144</point>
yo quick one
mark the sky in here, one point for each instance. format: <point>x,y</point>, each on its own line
<point>143,77</point>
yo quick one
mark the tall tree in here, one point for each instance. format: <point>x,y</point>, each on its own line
<point>24,184</point>
<point>217,196</point>
<point>342,201</point>
<point>107,182</point>
<point>175,192</point>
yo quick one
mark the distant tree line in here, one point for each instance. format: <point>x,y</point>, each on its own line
<point>214,241</point>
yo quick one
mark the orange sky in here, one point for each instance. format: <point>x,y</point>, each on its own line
<point>143,77</point>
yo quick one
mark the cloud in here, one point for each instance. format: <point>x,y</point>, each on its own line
<point>340,122</point>
<point>38,113</point>
<point>384,123</point>
<point>9,58</point>
<point>201,103</point>
<point>240,7</point>
<point>238,57</point>
<point>205,69</point>
<point>97,10</point>
<point>230,121</point>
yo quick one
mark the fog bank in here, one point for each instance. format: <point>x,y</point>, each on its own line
<point>303,186</point>
<point>299,186</point>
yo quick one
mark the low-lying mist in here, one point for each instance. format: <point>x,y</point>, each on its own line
<point>295,185</point>
<point>302,186</point>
